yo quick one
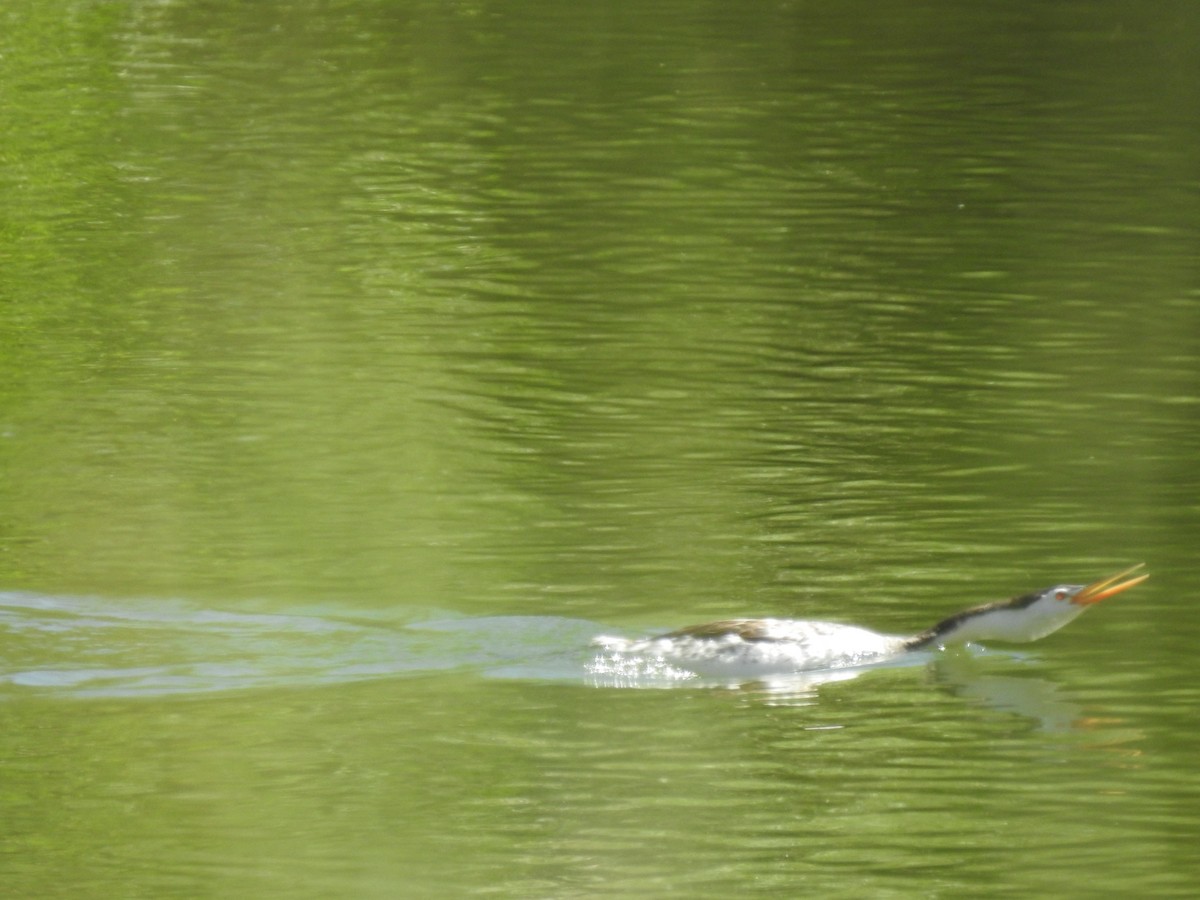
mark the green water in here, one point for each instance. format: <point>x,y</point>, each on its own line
<point>359,361</point>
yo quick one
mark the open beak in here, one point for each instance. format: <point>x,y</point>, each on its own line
<point>1106,587</point>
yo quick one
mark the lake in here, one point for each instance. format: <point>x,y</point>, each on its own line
<point>360,362</point>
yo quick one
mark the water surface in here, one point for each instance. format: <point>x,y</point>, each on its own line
<point>325,323</point>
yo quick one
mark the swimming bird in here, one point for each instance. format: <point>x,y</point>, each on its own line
<point>762,647</point>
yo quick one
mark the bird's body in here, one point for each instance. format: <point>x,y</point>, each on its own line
<point>751,648</point>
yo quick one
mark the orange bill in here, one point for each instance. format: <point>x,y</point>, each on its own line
<point>1106,587</point>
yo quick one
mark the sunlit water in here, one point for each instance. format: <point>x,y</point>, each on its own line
<point>360,362</point>
<point>80,647</point>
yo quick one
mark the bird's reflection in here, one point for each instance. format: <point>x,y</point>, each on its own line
<point>974,674</point>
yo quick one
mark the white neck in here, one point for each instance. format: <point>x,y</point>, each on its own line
<point>1002,622</point>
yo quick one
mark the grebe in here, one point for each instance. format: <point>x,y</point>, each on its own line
<point>761,647</point>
